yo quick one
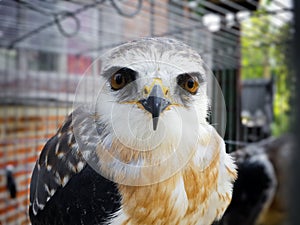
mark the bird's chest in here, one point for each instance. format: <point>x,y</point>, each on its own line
<point>183,199</point>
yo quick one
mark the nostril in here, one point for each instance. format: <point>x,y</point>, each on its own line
<point>146,90</point>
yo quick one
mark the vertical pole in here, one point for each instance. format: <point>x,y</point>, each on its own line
<point>152,18</point>
<point>238,91</point>
<point>17,108</point>
<point>295,169</point>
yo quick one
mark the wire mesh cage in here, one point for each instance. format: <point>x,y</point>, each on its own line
<point>47,46</point>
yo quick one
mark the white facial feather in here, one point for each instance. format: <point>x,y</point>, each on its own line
<point>133,124</point>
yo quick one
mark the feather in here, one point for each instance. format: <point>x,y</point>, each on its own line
<point>107,165</point>
<point>259,194</point>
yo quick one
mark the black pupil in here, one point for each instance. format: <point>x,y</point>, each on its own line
<point>119,79</point>
<point>190,83</point>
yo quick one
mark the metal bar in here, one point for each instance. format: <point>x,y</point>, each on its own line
<point>254,3</point>
<point>234,5</point>
<point>294,190</point>
<point>152,17</point>
<point>57,19</point>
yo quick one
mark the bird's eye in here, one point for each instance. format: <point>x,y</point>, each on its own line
<point>118,81</point>
<point>121,78</point>
<point>188,83</point>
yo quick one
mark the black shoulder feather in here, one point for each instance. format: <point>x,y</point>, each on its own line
<point>65,189</point>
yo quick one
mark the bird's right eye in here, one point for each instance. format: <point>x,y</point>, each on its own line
<point>121,78</point>
<point>118,81</point>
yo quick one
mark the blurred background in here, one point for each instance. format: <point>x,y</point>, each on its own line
<point>46,47</point>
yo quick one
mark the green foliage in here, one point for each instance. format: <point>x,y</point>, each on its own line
<point>264,48</point>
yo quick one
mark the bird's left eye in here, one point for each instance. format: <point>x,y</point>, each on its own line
<point>188,83</point>
<point>121,78</point>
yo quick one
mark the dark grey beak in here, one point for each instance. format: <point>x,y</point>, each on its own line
<point>155,103</point>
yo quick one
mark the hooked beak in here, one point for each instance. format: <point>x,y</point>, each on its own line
<point>155,103</point>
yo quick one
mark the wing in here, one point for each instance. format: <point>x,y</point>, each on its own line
<point>254,189</point>
<point>65,189</point>
<point>259,194</point>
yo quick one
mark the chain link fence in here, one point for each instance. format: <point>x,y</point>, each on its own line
<point>46,47</point>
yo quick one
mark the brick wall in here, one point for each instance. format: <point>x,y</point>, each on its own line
<point>23,133</point>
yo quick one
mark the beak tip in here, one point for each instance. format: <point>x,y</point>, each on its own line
<point>155,122</point>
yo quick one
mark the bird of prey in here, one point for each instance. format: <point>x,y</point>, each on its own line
<point>142,152</point>
<point>260,192</point>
